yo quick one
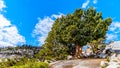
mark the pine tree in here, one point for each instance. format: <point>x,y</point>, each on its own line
<point>78,29</point>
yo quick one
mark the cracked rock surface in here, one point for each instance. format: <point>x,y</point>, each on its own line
<point>80,63</point>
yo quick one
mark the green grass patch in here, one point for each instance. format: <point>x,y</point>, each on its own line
<point>33,65</point>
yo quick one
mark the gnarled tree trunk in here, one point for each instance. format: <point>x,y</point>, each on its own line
<point>78,51</point>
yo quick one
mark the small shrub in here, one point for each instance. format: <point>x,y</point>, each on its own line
<point>108,59</point>
<point>114,60</point>
<point>33,65</point>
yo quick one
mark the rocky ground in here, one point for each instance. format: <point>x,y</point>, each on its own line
<point>80,63</point>
<point>112,62</point>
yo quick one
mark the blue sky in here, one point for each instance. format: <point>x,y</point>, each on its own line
<point>29,21</point>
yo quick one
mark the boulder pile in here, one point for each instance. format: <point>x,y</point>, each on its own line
<point>101,53</point>
<point>112,62</point>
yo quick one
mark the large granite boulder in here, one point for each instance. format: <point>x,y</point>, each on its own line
<point>114,62</point>
<point>87,52</point>
<point>104,53</point>
<point>104,64</point>
<point>69,57</point>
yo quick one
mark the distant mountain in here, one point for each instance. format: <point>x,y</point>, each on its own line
<point>115,45</point>
<point>18,52</point>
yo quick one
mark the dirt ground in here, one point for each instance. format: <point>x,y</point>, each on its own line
<point>79,63</point>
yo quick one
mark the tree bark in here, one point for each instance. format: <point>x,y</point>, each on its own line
<point>78,51</point>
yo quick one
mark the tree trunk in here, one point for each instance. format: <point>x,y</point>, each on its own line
<point>92,47</point>
<point>78,51</point>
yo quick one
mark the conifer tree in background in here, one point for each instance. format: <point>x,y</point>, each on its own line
<point>78,28</point>
<point>52,50</point>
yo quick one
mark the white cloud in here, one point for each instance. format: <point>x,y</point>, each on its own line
<point>4,22</point>
<point>114,30</point>
<point>114,26</point>
<point>57,16</point>
<point>111,37</point>
<point>94,1</point>
<point>4,44</point>
<point>9,35</point>
<point>2,5</point>
<point>84,5</point>
<point>43,27</point>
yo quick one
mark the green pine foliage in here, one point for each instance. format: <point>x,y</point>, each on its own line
<point>58,52</point>
<point>78,28</point>
<point>81,27</point>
